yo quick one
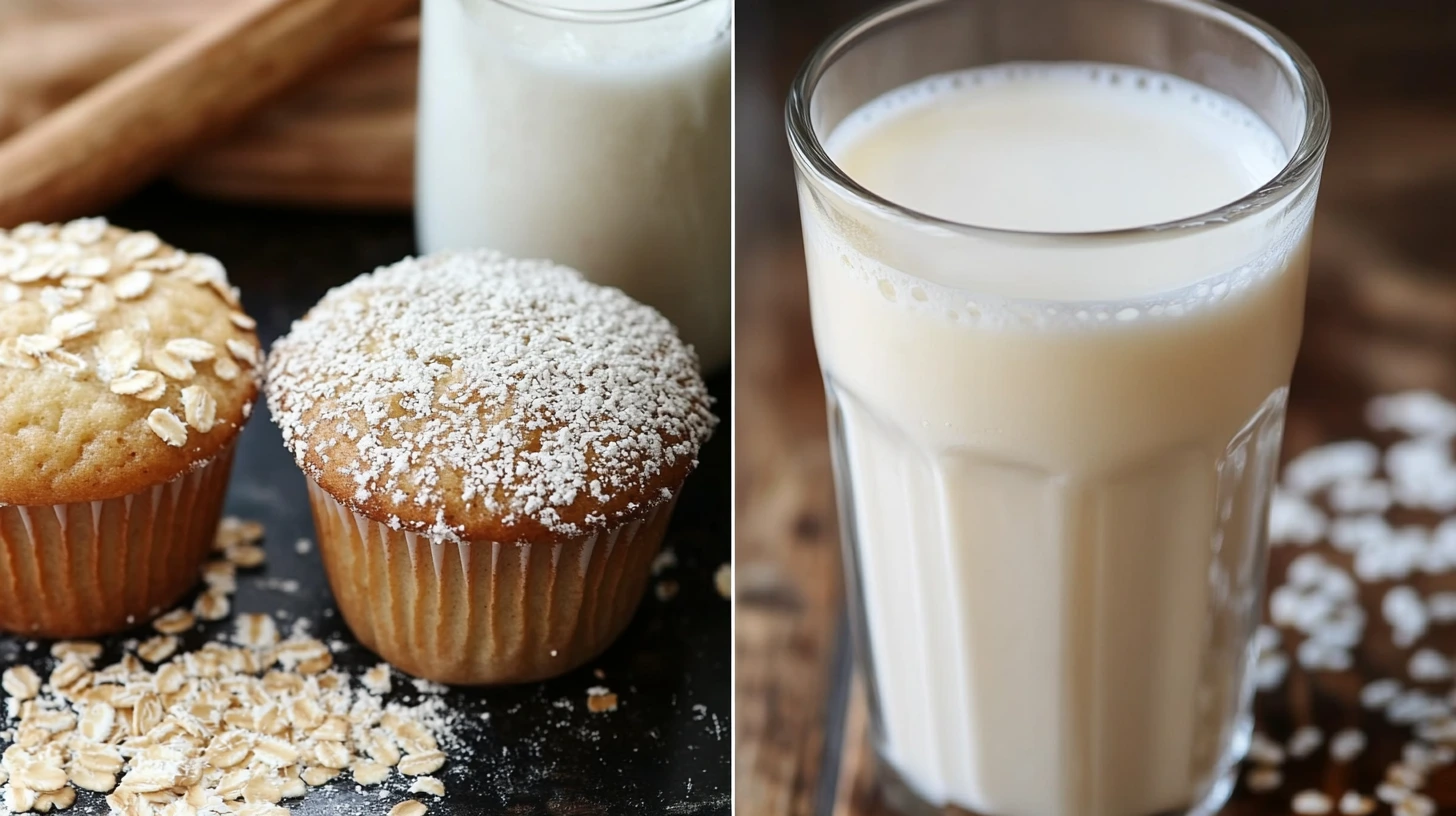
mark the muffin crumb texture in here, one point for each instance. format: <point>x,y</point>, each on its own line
<point>123,362</point>
<point>470,396</point>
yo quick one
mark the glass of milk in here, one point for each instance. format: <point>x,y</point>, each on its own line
<point>1057,255</point>
<point>596,133</point>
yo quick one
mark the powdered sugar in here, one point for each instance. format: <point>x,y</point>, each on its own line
<point>515,387</point>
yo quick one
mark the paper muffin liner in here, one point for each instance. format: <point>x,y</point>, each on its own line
<point>484,612</point>
<point>92,568</point>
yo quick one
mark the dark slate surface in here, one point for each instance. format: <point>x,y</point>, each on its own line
<point>530,749</point>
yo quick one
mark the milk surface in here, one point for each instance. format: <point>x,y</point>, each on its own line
<point>1055,454</point>
<point>605,146</point>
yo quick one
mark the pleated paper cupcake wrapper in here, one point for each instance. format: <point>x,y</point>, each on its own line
<point>92,568</point>
<point>484,612</point>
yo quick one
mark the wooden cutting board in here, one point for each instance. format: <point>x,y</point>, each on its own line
<point>344,138</point>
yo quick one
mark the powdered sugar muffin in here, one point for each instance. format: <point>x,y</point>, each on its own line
<point>127,370</point>
<point>493,449</point>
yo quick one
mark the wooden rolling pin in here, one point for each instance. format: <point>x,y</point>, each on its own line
<point>128,129</point>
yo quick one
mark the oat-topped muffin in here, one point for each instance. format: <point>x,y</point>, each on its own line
<point>493,447</point>
<point>127,369</point>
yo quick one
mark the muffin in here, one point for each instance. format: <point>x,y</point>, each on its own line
<point>127,370</point>
<point>493,449</point>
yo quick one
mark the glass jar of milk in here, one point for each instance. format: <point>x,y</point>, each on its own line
<point>596,133</point>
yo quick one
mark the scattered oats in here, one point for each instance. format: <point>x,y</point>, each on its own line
<point>212,605</point>
<point>137,245</point>
<point>157,649</point>
<point>428,784</point>
<point>315,777</point>
<point>332,755</point>
<point>156,391</point>
<point>225,369</point>
<point>246,556</point>
<point>10,293</point>
<point>173,366</point>
<point>1391,794</point>
<point>1406,613</point>
<point>1380,693</point>
<point>256,631</point>
<point>136,382</point>
<point>20,682</point>
<point>88,650</point>
<point>87,778</point>
<point>71,325</point>
<point>377,679</point>
<point>12,357</point>
<point>1405,776</point>
<point>72,364</point>
<point>199,408</point>
<point>1417,804</point>
<point>1263,779</point>
<point>666,589</point>
<point>723,581</point>
<point>84,231</point>
<point>421,764</point>
<point>168,427</point>
<point>1347,744</point>
<point>132,285</point>
<point>367,772</point>
<point>664,561</point>
<point>244,351</point>
<point>1320,467</point>
<point>37,345</point>
<point>242,321</point>
<point>92,268</point>
<point>191,349</point>
<point>1294,520</point>
<point>1305,741</point>
<point>409,807</point>
<point>175,622</point>
<point>1429,665</point>
<point>39,777</point>
<point>1263,750</point>
<point>1310,803</point>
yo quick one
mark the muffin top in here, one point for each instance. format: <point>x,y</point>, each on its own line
<point>474,397</point>
<point>123,362</point>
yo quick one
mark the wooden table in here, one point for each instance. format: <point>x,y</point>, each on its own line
<point>1381,317</point>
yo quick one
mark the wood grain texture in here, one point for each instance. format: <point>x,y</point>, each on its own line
<point>123,132</point>
<point>1381,317</point>
<point>343,137</point>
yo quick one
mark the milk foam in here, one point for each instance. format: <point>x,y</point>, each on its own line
<point>1152,148</point>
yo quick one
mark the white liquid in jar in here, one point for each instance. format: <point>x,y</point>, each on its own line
<point>605,146</point>
<point>1058,451</point>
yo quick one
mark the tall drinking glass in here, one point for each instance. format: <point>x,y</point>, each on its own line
<point>1056,399</point>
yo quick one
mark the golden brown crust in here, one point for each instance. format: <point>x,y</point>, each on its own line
<point>477,398</point>
<point>72,427</point>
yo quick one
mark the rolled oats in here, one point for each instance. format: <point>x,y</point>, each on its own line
<point>421,764</point>
<point>409,807</point>
<point>175,622</point>
<point>72,325</point>
<point>367,772</point>
<point>428,784</point>
<point>199,408</point>
<point>173,366</point>
<point>132,285</point>
<point>20,682</point>
<point>158,649</point>
<point>168,427</point>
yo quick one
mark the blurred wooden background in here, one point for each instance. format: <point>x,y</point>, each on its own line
<point>343,138</point>
<point>1381,317</point>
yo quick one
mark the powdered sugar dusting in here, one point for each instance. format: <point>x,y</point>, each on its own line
<point>463,386</point>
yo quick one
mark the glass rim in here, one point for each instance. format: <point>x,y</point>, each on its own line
<point>645,10</point>
<point>1303,164</point>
